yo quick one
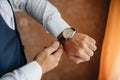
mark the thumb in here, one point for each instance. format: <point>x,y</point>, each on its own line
<point>52,48</point>
<point>57,55</point>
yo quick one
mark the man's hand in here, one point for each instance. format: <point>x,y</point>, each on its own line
<point>49,57</point>
<point>80,48</point>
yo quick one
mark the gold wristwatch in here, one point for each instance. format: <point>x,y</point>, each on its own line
<point>67,34</point>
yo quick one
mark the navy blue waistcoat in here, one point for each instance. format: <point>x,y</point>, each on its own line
<point>11,50</point>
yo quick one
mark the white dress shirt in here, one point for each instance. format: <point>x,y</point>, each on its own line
<point>31,71</point>
<point>45,13</point>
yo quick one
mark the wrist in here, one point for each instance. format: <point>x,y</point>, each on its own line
<point>41,65</point>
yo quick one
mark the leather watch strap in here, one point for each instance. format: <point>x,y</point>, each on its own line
<point>61,39</point>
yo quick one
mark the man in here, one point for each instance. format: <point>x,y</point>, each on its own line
<point>78,47</point>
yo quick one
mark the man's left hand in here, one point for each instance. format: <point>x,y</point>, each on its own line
<point>80,48</point>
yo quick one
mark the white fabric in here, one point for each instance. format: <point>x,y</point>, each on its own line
<point>31,71</point>
<point>7,14</point>
<point>41,10</point>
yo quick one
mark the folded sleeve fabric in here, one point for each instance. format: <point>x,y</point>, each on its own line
<point>44,12</point>
<point>31,71</point>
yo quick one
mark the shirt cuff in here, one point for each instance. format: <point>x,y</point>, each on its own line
<point>56,26</point>
<point>32,71</point>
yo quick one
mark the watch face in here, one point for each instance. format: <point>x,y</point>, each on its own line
<point>68,33</point>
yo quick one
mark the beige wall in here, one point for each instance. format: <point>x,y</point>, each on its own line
<point>87,16</point>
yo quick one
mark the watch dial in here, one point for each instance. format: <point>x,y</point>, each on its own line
<point>67,33</point>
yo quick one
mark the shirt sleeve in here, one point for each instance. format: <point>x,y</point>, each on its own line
<point>44,12</point>
<point>31,71</point>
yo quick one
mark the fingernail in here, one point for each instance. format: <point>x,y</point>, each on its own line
<point>56,43</point>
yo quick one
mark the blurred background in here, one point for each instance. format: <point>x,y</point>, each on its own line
<point>86,16</point>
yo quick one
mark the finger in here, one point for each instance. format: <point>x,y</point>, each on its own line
<point>92,40</point>
<point>89,45</point>
<point>92,46</point>
<point>52,48</point>
<point>82,55</point>
<point>89,52</point>
<point>58,54</point>
<point>86,43</point>
<point>77,60</point>
<point>88,39</point>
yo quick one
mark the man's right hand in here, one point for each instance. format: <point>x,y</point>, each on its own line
<point>49,57</point>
